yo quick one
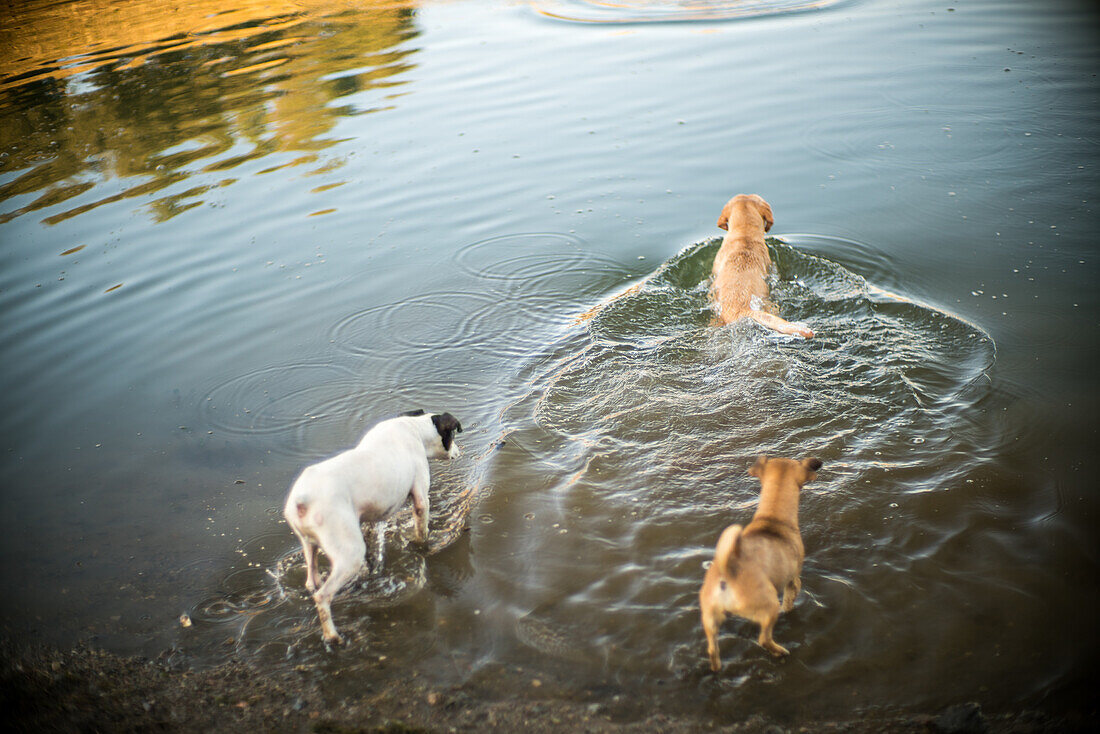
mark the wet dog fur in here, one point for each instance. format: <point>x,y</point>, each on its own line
<point>369,483</point>
<point>754,564</point>
<point>739,286</point>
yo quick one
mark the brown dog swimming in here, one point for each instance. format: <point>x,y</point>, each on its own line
<point>739,285</point>
<point>753,565</point>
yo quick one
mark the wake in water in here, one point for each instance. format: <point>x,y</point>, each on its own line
<point>883,371</point>
<point>646,417</point>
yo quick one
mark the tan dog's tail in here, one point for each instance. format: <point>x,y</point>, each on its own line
<point>729,546</point>
<point>775,323</point>
<point>600,306</point>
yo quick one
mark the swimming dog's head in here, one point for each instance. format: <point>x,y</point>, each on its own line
<point>742,202</point>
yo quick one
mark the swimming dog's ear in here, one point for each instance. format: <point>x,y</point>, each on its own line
<point>811,466</point>
<point>724,219</point>
<point>757,469</point>
<point>766,213</point>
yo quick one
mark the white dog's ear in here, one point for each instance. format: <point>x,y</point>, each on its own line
<point>757,469</point>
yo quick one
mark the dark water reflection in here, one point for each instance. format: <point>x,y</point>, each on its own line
<point>216,266</point>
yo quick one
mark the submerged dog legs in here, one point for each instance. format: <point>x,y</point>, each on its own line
<point>766,626</point>
<point>790,592</point>
<point>711,622</point>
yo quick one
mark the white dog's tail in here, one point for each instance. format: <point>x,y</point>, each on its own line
<point>729,546</point>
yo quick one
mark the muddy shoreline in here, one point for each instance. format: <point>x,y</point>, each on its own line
<point>89,690</point>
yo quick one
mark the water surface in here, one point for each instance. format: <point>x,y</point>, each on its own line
<point>231,237</point>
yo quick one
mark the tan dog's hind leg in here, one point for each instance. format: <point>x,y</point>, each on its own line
<point>766,627</point>
<point>712,619</point>
<point>775,323</point>
<point>789,593</point>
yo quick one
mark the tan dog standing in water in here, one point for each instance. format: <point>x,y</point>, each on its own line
<point>739,286</point>
<point>753,565</point>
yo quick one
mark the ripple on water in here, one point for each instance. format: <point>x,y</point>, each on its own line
<point>510,296</point>
<point>509,292</point>
<point>538,262</point>
<point>918,139</point>
<point>483,323</point>
<point>411,326</point>
<point>277,399</point>
<point>656,414</point>
<point>665,11</point>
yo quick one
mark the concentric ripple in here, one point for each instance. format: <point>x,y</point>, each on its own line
<point>278,399</point>
<point>507,293</point>
<point>418,324</point>
<point>919,139</point>
<point>485,322</point>
<point>537,262</point>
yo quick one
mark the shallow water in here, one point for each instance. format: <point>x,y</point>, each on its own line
<point>233,237</point>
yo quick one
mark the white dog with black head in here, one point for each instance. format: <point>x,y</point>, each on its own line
<point>368,483</point>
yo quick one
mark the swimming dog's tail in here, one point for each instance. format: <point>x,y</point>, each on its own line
<point>590,313</point>
<point>775,323</point>
<point>729,546</point>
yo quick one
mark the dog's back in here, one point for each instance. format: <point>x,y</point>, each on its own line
<point>775,549</point>
<point>748,561</point>
<point>739,285</point>
<point>372,478</point>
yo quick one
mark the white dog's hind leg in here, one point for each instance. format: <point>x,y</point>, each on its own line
<point>344,545</point>
<point>294,513</point>
<point>420,509</point>
<point>309,553</point>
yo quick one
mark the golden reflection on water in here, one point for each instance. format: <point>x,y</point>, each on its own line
<point>161,91</point>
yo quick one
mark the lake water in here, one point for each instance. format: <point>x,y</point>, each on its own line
<point>232,235</point>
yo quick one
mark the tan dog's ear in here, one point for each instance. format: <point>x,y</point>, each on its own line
<point>757,469</point>
<point>766,212</point>
<point>723,220</point>
<point>811,466</point>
